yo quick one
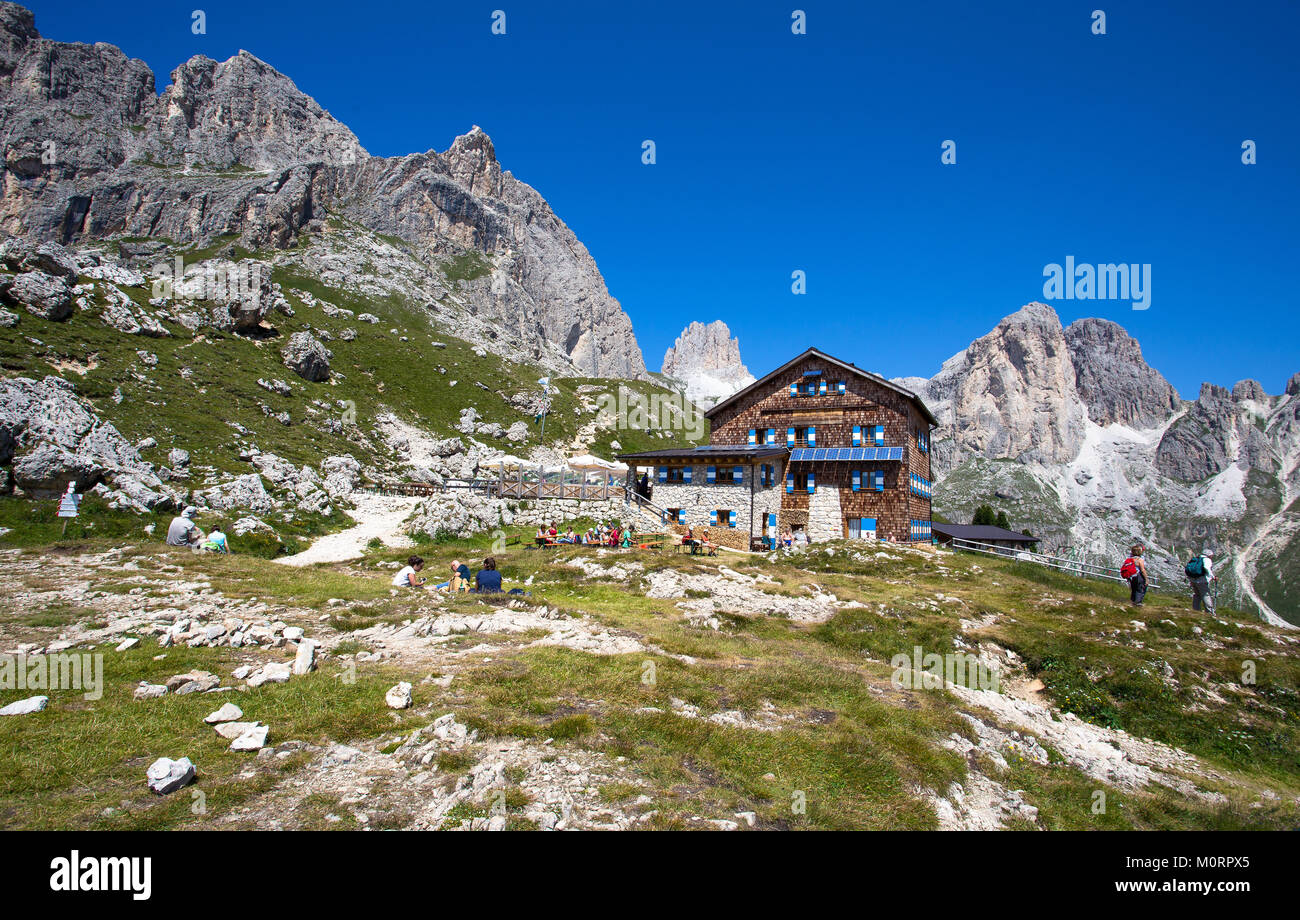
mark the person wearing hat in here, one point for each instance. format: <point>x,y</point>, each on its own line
<point>183,531</point>
<point>1200,572</point>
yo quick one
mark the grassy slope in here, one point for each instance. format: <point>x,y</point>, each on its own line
<point>203,384</point>
<point>856,749</point>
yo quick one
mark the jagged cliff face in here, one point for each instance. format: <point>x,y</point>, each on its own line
<point>1105,452</point>
<point>706,360</point>
<point>235,149</point>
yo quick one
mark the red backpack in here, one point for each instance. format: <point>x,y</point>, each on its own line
<point>1128,569</point>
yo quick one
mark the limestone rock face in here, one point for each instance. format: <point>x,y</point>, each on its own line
<point>1216,431</point>
<point>234,147</point>
<point>707,360</point>
<point>1012,393</point>
<point>1113,380</point>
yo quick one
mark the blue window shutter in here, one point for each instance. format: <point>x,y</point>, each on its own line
<point>663,474</point>
<point>812,435</point>
<point>753,436</point>
<point>789,482</point>
<point>789,437</point>
<point>880,435</point>
<point>771,436</point>
<point>713,518</point>
<point>857,435</point>
<point>879,480</point>
<point>681,515</point>
<point>794,389</point>
<point>738,474</point>
<point>712,474</point>
<point>840,387</point>
<point>812,484</point>
<point>822,388</point>
<point>686,474</point>
<point>731,519</point>
<point>857,480</point>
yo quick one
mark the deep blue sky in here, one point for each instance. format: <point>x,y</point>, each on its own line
<point>820,152</point>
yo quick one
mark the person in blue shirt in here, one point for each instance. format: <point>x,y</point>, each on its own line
<point>216,541</point>
<point>488,580</point>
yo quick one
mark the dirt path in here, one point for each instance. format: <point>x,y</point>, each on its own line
<point>378,516</point>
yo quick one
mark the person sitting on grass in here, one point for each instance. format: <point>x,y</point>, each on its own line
<point>409,577</point>
<point>182,531</point>
<point>459,580</point>
<point>488,579</point>
<point>216,541</point>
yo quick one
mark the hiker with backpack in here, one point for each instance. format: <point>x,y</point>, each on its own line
<point>1200,572</point>
<point>1134,571</point>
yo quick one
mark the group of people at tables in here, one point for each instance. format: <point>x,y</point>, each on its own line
<point>600,535</point>
<point>698,541</point>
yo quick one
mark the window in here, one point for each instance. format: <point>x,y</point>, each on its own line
<point>675,474</point>
<point>760,437</point>
<point>800,482</point>
<point>869,480</point>
<point>677,515</point>
<point>804,436</point>
<point>767,475</point>
<point>722,517</point>
<point>862,528</point>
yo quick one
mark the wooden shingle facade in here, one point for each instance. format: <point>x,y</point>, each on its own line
<point>825,447</point>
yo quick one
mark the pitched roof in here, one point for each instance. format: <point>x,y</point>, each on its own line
<point>981,533</point>
<point>844,365</point>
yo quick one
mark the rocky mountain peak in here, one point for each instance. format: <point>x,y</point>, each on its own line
<point>1114,380</point>
<point>1011,393</point>
<point>706,358</point>
<point>245,152</point>
<point>245,112</point>
<point>472,161</point>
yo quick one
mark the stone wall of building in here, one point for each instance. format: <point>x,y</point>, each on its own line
<point>824,515</point>
<point>699,497</point>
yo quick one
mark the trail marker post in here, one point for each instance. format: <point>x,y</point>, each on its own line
<point>68,507</point>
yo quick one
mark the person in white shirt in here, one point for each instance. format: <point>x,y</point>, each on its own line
<point>409,576</point>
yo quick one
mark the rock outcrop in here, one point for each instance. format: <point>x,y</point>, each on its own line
<point>706,359</point>
<point>50,438</point>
